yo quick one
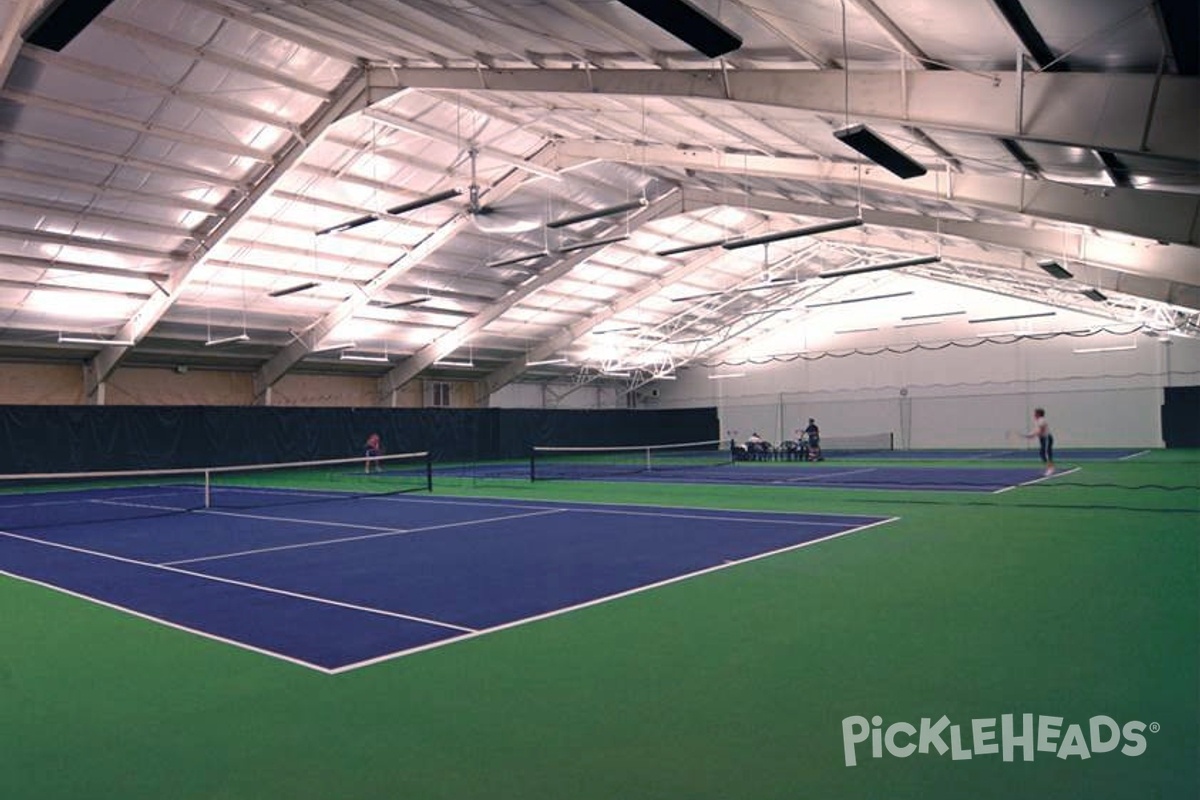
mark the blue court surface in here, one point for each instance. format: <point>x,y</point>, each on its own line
<point>825,474</point>
<point>341,584</point>
<point>1016,454</point>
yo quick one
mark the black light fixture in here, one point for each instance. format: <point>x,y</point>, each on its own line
<point>1055,269</point>
<point>1094,294</point>
<point>808,230</point>
<point>299,287</point>
<point>858,299</point>
<point>907,262</point>
<point>599,213</point>
<point>693,26</point>
<point>411,302</point>
<point>508,262</point>
<point>877,149</point>
<point>403,208</point>
<point>1011,317</point>
<point>62,21</point>
<point>595,243</point>
<point>688,248</point>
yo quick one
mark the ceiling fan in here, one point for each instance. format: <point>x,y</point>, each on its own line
<point>513,215</point>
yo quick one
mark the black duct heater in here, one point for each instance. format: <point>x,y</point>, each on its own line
<point>693,26</point>
<point>877,149</point>
<point>62,21</point>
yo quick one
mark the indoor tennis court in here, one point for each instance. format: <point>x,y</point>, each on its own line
<point>599,399</point>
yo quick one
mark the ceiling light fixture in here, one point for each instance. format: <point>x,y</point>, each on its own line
<point>599,213</point>
<point>858,299</point>
<point>907,262</point>
<point>508,262</point>
<point>725,375</point>
<point>59,23</point>
<point>808,230</point>
<point>597,243</point>
<point>877,149</point>
<point>1113,349</point>
<point>935,314</point>
<point>329,348</point>
<point>688,248</point>
<point>1056,269</point>
<point>364,358</point>
<point>450,363</point>
<point>1012,317</point>
<point>95,340</point>
<point>693,26</point>
<point>300,287</point>
<point>241,337</point>
<point>545,362</point>
<point>1094,294</point>
<point>410,302</point>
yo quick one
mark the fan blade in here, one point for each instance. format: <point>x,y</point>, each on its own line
<point>403,208</point>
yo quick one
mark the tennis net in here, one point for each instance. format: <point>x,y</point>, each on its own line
<point>858,443</point>
<point>567,463</point>
<point>77,498</point>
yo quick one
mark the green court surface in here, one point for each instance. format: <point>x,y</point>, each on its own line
<point>1075,599</point>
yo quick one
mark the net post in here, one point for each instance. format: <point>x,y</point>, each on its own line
<point>532,464</point>
<point>891,440</point>
<point>429,471</point>
<point>208,488</point>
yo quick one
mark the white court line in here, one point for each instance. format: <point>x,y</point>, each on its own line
<point>166,622</point>
<point>605,599</point>
<point>232,582</point>
<point>820,477</point>
<point>1038,480</point>
<point>343,539</point>
<point>1133,455</point>
<point>797,521</point>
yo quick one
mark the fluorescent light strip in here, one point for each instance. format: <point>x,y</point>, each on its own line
<point>1012,317</point>
<point>723,376</point>
<point>448,363</point>
<point>241,337</point>
<point>508,262</point>
<point>808,230</point>
<point>858,299</point>
<point>688,248</point>
<point>332,347</point>
<point>907,262</point>
<point>598,243</point>
<point>856,330</point>
<point>300,287</point>
<point>1094,294</point>
<point>917,324</point>
<point>95,340</point>
<point>626,329</point>
<point>369,359</point>
<point>546,361</point>
<point>599,213</point>
<point>938,314</point>
<point>1113,349</point>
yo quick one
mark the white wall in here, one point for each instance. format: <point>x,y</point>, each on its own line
<point>956,397</point>
<point>560,395</point>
